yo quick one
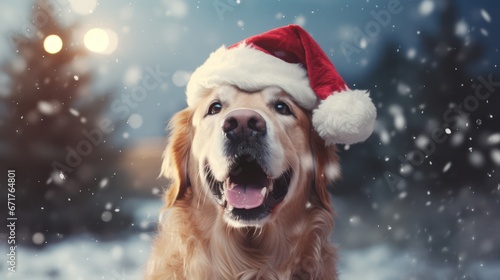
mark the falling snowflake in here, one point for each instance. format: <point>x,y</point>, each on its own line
<point>106,216</point>
<point>355,220</point>
<point>402,195</point>
<point>494,139</point>
<point>135,121</point>
<point>74,112</point>
<point>176,8</point>
<point>403,88</point>
<point>104,182</point>
<point>412,53</point>
<point>447,167</point>
<point>300,20</point>
<point>132,76</point>
<point>485,15</point>
<point>181,78</point>
<point>279,16</point>
<point>461,28</point>
<point>476,159</point>
<point>38,238</point>
<point>495,156</point>
<point>48,108</point>
<point>426,7</point>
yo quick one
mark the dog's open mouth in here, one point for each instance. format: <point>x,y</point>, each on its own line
<point>248,194</point>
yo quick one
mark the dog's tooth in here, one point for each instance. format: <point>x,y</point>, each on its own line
<point>263,191</point>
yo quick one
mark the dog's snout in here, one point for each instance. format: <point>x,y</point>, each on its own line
<point>243,123</point>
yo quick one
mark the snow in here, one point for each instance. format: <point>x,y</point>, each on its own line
<point>18,64</point>
<point>86,257</point>
<point>354,220</point>
<point>279,16</point>
<point>461,28</point>
<point>406,169</point>
<point>300,20</point>
<point>476,159</point>
<point>399,120</point>
<point>457,139</point>
<point>176,8</point>
<point>485,15</point>
<point>48,108</point>
<point>495,156</point>
<point>422,141</point>
<point>494,139</point>
<point>180,78</point>
<point>380,262</point>
<point>411,53</point>
<point>426,7</point>
<point>447,167</point>
<point>363,43</point>
<point>106,216</point>
<point>103,183</point>
<point>132,76</point>
<point>74,112</point>
<point>484,32</point>
<point>135,121</point>
<point>38,238</point>
<point>83,7</point>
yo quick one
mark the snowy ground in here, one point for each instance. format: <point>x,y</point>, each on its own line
<point>84,257</point>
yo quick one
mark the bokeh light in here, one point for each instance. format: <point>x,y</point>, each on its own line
<point>83,7</point>
<point>52,44</point>
<point>113,41</point>
<point>96,40</point>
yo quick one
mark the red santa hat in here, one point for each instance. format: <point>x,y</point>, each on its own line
<point>289,58</point>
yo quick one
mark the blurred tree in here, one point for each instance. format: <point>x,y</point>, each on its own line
<point>460,101</point>
<point>419,98</point>
<point>390,85</point>
<point>431,148</point>
<point>55,137</point>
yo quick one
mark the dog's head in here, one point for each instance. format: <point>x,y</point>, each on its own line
<point>253,154</point>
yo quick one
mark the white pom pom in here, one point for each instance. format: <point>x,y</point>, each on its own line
<point>345,117</point>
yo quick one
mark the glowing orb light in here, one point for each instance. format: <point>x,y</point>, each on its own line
<point>52,44</point>
<point>96,40</point>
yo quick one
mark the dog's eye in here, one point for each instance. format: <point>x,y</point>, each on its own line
<point>214,108</point>
<point>282,108</point>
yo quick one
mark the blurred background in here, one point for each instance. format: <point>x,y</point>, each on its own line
<point>87,87</point>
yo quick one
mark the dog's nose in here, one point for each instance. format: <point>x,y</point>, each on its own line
<point>243,123</point>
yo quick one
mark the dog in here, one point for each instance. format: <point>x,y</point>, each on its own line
<point>248,198</point>
<point>250,159</point>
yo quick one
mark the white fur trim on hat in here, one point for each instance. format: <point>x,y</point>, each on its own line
<point>345,117</point>
<point>250,69</point>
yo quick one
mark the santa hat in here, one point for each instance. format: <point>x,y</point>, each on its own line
<point>289,58</point>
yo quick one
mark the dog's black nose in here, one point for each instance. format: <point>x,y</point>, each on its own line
<point>243,123</point>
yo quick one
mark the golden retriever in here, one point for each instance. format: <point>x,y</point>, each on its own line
<point>248,197</point>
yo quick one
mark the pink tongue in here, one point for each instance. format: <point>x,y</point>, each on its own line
<point>244,197</point>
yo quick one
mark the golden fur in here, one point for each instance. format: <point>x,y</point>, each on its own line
<point>195,242</point>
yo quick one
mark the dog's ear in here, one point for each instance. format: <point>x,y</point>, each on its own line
<point>176,155</point>
<point>327,169</point>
